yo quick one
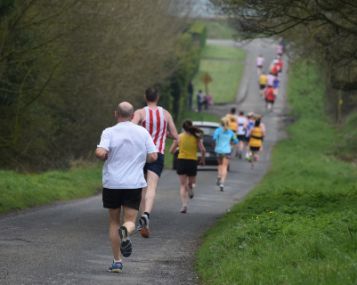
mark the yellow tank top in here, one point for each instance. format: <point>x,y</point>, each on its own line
<point>256,136</point>
<point>263,79</point>
<point>187,146</point>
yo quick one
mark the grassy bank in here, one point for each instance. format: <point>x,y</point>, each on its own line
<point>225,65</point>
<point>299,226</point>
<point>20,191</point>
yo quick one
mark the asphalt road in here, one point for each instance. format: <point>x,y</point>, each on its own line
<point>68,244</point>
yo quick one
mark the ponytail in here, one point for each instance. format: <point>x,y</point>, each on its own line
<point>191,129</point>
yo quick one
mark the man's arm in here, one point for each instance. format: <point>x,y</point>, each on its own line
<point>137,119</point>
<point>173,146</point>
<point>101,153</point>
<point>151,157</point>
<point>171,126</point>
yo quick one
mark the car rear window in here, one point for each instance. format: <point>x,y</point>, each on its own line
<point>208,131</point>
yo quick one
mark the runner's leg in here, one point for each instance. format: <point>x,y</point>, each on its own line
<point>183,190</point>
<point>129,219</point>
<point>191,186</point>
<point>148,196</point>
<point>224,167</point>
<point>219,174</point>
<point>114,224</point>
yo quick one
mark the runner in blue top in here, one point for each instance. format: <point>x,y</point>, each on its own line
<point>223,138</point>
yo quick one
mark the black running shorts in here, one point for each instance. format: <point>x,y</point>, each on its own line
<point>156,166</point>
<point>262,86</point>
<point>115,198</point>
<point>254,149</point>
<point>241,138</point>
<point>186,167</point>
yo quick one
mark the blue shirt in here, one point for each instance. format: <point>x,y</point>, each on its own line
<point>276,83</point>
<point>223,139</point>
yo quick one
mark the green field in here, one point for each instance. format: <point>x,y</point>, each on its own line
<point>225,65</point>
<point>20,191</point>
<point>299,225</point>
<point>219,30</point>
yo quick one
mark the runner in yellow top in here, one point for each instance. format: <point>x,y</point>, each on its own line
<point>232,120</point>
<point>256,141</point>
<point>188,143</point>
<point>263,81</point>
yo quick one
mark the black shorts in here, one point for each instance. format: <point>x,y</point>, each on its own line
<point>156,166</point>
<point>224,155</point>
<point>241,138</point>
<point>115,198</point>
<point>262,87</point>
<point>254,148</point>
<point>186,167</point>
<point>269,101</point>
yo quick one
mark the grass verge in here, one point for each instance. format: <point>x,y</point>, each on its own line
<point>299,225</point>
<point>225,65</point>
<point>20,191</point>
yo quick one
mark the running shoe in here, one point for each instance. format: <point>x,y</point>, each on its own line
<point>126,247</point>
<point>218,182</point>
<point>183,210</point>
<point>116,267</point>
<point>144,226</point>
<point>221,187</point>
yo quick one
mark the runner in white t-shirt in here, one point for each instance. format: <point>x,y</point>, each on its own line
<point>242,128</point>
<point>125,148</point>
<point>260,63</point>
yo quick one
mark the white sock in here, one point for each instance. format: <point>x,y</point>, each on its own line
<point>115,261</point>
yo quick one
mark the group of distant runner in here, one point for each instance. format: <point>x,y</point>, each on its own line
<point>133,155</point>
<point>269,81</point>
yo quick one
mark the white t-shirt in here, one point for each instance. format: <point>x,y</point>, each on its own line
<point>128,145</point>
<point>242,123</point>
<point>260,61</point>
<point>271,79</point>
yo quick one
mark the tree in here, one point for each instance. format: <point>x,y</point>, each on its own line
<point>326,30</point>
<point>65,64</point>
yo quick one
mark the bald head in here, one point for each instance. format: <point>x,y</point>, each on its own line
<point>125,111</point>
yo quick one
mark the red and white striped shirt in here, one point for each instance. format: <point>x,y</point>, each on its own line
<point>156,125</point>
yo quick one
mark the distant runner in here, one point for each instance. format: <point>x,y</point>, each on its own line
<point>270,96</point>
<point>260,63</point>
<point>256,141</point>
<point>263,82</point>
<point>157,122</point>
<point>223,138</point>
<point>125,148</point>
<point>189,142</point>
<point>242,128</point>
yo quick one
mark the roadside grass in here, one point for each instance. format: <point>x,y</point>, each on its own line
<point>193,116</point>
<point>299,225</point>
<point>225,65</point>
<point>346,147</point>
<point>20,191</point>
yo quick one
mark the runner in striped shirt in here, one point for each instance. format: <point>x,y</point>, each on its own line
<point>159,124</point>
